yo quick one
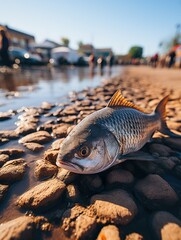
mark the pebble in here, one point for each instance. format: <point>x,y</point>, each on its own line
<point>79,223</point>
<point>44,169</point>
<point>134,236</point>
<point>166,226</point>
<point>35,147</point>
<point>9,134</point>
<point>3,159</point>
<point>5,116</point>
<point>26,128</point>
<point>66,176</point>
<point>3,190</point>
<point>91,184</point>
<point>12,171</point>
<point>155,193</point>
<point>161,149</point>
<point>174,143</point>
<point>148,167</point>
<point>46,106</point>
<point>51,156</point>
<point>18,229</point>
<point>73,193</point>
<point>12,152</point>
<point>37,137</point>
<point>119,176</point>
<point>109,232</point>
<point>60,130</point>
<point>56,144</point>
<point>85,226</point>
<point>115,206</point>
<point>42,196</point>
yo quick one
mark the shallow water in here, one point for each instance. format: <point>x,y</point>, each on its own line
<point>32,86</point>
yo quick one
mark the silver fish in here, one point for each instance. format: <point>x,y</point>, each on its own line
<point>107,137</point>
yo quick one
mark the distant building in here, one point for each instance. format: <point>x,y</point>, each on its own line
<point>18,38</point>
<point>86,49</point>
<point>104,52</point>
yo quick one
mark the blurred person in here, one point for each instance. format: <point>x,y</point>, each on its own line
<point>172,56</point>
<point>110,60</point>
<point>92,62</point>
<point>4,43</point>
<point>155,60</point>
<point>101,63</point>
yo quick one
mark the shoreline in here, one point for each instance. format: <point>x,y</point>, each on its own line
<point>49,124</point>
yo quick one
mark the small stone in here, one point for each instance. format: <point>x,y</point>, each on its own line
<point>12,152</point>
<point>161,149</point>
<point>10,134</point>
<point>85,226</point>
<point>69,119</point>
<point>42,196</point>
<point>3,190</point>
<point>46,106</point>
<point>73,193</point>
<point>91,183</point>
<point>69,110</point>
<point>79,223</point>
<point>18,229</point>
<point>66,176</point>
<point>56,144</point>
<point>26,128</point>
<point>119,176</point>
<point>115,207</point>
<point>134,236</point>
<point>166,163</point>
<point>35,147</point>
<point>44,169</point>
<point>109,232</point>
<point>5,116</point>
<point>37,137</point>
<point>174,143</point>
<point>148,167</point>
<point>177,171</point>
<point>47,126</point>
<point>155,193</point>
<point>3,159</point>
<point>60,130</point>
<point>166,226</point>
<point>12,171</point>
<point>51,156</point>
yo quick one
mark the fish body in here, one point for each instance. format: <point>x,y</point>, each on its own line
<point>96,143</point>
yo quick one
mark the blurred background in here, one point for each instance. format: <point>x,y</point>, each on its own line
<point>49,48</point>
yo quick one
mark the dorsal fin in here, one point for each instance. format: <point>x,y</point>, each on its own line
<point>118,100</point>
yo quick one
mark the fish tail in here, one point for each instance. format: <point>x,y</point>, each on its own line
<point>161,111</point>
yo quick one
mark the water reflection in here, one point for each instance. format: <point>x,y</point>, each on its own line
<point>37,84</point>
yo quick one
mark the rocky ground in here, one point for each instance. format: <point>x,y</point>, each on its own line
<point>134,200</point>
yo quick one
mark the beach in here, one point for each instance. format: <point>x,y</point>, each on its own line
<point>137,198</point>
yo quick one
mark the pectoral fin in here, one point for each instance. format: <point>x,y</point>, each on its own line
<point>139,155</point>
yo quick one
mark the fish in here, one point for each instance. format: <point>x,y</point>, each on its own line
<point>111,135</point>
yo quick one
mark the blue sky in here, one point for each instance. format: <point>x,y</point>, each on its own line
<point>105,23</point>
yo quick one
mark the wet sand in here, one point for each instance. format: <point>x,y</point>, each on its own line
<point>72,205</point>
<point>158,77</point>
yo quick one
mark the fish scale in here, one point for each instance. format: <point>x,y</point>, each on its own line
<point>130,127</point>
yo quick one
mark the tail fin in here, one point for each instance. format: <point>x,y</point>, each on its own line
<point>161,111</point>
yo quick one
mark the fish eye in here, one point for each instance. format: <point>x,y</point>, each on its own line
<point>83,152</point>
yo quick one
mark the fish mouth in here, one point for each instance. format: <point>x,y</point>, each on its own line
<point>69,166</point>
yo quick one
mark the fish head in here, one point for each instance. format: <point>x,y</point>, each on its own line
<point>88,150</point>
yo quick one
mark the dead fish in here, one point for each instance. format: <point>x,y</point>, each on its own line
<point>111,135</point>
